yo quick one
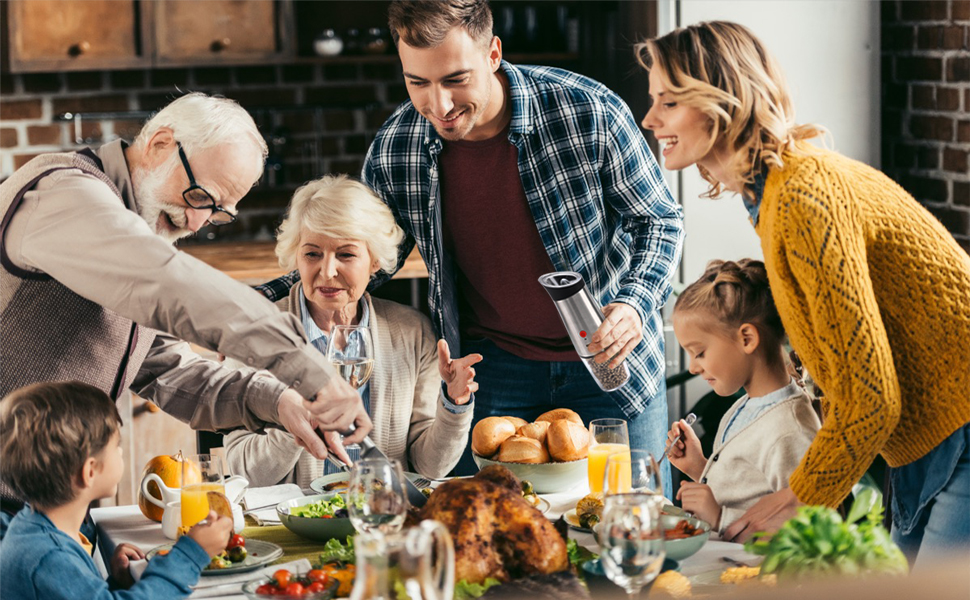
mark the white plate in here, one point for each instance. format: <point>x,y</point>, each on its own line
<point>259,553</point>
<point>573,520</point>
<point>319,485</point>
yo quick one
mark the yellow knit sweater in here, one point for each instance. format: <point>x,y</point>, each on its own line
<point>875,296</point>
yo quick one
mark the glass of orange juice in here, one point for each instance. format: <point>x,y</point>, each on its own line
<point>631,472</point>
<point>201,474</point>
<point>606,437</point>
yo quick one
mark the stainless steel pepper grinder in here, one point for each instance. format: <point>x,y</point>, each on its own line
<point>582,316</point>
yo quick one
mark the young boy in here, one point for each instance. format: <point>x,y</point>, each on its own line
<point>61,450</point>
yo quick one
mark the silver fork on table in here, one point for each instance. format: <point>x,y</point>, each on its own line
<point>423,482</point>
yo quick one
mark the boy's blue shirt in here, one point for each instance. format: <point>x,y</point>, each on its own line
<point>40,562</point>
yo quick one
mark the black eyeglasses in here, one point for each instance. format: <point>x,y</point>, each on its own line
<point>196,196</point>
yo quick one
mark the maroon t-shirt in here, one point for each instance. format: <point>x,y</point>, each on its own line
<point>492,237</point>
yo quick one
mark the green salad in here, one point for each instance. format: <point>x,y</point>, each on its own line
<point>818,542</point>
<point>335,507</point>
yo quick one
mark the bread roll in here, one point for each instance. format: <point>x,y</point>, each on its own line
<point>489,434</point>
<point>567,441</point>
<point>561,413</point>
<point>536,431</point>
<point>520,449</point>
<point>516,421</point>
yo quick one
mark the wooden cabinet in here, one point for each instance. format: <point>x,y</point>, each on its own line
<point>221,31</point>
<point>54,35</point>
<point>75,35</point>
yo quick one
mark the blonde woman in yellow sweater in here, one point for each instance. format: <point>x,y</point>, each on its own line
<point>873,292</point>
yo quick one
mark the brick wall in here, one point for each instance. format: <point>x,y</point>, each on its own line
<point>322,116</point>
<point>926,105</point>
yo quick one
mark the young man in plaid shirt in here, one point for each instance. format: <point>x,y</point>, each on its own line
<point>501,174</point>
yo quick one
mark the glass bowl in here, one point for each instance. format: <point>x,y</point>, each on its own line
<point>249,589</point>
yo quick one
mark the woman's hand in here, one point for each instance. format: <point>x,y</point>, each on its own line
<point>458,374</point>
<point>121,560</point>
<point>686,454</point>
<point>768,514</point>
<point>699,499</point>
<point>618,335</point>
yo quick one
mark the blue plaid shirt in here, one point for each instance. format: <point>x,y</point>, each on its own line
<point>598,197</point>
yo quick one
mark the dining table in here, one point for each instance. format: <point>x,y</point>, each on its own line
<point>126,524</point>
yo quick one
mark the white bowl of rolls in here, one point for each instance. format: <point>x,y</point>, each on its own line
<point>549,452</point>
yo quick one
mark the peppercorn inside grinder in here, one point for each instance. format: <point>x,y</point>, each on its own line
<point>582,316</point>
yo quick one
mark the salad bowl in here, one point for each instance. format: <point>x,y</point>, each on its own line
<point>320,517</point>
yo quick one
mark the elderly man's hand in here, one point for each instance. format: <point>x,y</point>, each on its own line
<point>618,335</point>
<point>458,374</point>
<point>336,407</point>
<point>298,416</point>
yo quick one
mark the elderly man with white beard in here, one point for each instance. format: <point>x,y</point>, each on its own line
<point>93,289</point>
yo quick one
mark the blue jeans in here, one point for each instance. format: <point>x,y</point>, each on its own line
<point>518,387</point>
<point>931,503</point>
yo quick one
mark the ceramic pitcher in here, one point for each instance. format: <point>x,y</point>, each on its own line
<point>419,561</point>
<point>235,486</point>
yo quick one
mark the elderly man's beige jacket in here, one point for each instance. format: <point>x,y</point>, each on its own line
<point>81,229</point>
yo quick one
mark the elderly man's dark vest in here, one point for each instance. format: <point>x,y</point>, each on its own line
<point>48,332</point>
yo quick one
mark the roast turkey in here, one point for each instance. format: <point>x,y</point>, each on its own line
<point>496,532</point>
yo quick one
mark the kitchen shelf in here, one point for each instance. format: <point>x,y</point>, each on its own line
<point>518,57</point>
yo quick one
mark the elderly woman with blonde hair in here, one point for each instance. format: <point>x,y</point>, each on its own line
<point>338,234</point>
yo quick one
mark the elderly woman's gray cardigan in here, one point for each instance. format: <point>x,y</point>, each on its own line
<point>410,422</point>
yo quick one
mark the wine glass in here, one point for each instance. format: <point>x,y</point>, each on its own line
<point>635,471</point>
<point>632,540</point>
<point>376,499</point>
<point>606,437</point>
<point>350,350</point>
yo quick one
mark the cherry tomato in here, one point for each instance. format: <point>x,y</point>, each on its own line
<point>265,589</point>
<point>295,589</point>
<point>317,575</point>
<point>316,586</point>
<point>236,540</point>
<point>282,578</point>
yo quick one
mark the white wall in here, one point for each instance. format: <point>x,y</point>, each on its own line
<point>829,50</point>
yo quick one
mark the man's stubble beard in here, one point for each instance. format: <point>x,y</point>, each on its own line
<point>452,137</point>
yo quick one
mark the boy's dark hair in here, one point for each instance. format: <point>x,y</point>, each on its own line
<point>47,432</point>
<point>426,23</point>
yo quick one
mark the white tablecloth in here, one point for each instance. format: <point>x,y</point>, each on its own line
<point>120,524</point>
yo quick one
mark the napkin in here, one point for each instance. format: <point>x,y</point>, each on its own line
<point>270,496</point>
<point>212,586</point>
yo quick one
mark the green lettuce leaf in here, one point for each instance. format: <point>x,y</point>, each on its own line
<point>469,591</point>
<point>333,550</point>
<point>578,554</point>
<point>816,542</point>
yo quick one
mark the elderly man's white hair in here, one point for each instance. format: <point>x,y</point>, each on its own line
<point>342,208</point>
<point>200,122</point>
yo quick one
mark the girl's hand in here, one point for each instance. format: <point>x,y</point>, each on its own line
<point>121,560</point>
<point>699,499</point>
<point>212,533</point>
<point>457,374</point>
<point>686,454</point>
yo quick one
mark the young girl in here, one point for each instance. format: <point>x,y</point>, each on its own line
<point>874,293</point>
<point>727,323</point>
